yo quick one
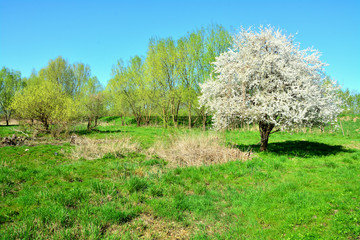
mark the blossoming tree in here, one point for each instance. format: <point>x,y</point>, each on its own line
<point>265,78</point>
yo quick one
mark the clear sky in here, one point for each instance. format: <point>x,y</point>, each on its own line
<point>101,32</point>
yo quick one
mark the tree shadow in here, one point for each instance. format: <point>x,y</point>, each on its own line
<point>87,132</point>
<point>305,149</point>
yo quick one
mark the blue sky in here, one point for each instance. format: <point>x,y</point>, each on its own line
<point>99,33</point>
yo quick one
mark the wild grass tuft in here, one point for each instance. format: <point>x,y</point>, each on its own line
<point>136,184</point>
<point>99,148</point>
<point>196,150</point>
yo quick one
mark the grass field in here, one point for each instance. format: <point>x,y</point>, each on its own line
<point>307,186</point>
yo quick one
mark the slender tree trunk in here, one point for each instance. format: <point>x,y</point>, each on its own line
<point>164,118</point>
<point>204,122</point>
<point>174,116</point>
<point>46,124</point>
<point>89,124</point>
<point>138,121</point>
<point>265,130</point>
<point>122,119</point>
<point>7,116</point>
<point>190,123</point>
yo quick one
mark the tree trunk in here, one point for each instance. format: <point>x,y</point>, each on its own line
<point>138,121</point>
<point>122,120</point>
<point>174,116</point>
<point>265,130</point>
<point>7,116</point>
<point>164,118</point>
<point>204,122</point>
<point>46,124</point>
<point>89,124</point>
<point>190,123</point>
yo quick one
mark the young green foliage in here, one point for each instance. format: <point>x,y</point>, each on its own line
<point>10,83</point>
<point>44,102</point>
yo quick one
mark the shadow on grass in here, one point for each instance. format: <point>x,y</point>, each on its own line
<point>12,125</point>
<point>298,148</point>
<point>86,132</point>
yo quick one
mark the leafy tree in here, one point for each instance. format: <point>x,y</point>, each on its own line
<point>161,72</point>
<point>61,72</point>
<point>216,41</point>
<point>351,102</point>
<point>117,103</point>
<point>92,101</point>
<point>189,51</point>
<point>44,102</point>
<point>10,83</point>
<point>130,87</point>
<point>81,80</point>
<point>95,107</point>
<point>266,78</point>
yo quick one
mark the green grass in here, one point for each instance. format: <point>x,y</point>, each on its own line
<point>305,187</point>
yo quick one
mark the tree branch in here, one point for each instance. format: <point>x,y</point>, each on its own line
<point>277,130</point>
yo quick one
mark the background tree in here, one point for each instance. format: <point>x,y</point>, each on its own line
<point>189,52</point>
<point>52,95</point>
<point>92,102</point>
<point>10,83</point>
<point>351,102</point>
<point>118,104</point>
<point>161,72</point>
<point>81,74</point>
<point>68,77</point>
<point>175,69</point>
<point>44,102</point>
<point>216,41</point>
<point>265,78</point>
<point>130,87</point>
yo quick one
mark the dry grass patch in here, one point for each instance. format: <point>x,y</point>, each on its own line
<point>97,148</point>
<point>147,226</point>
<point>197,150</point>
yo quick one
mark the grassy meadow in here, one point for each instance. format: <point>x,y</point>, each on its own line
<point>119,186</point>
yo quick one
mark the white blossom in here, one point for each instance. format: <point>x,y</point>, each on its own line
<point>265,77</point>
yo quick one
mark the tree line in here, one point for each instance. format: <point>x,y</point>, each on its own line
<point>165,84</point>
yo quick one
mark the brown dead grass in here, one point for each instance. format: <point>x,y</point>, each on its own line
<point>90,149</point>
<point>353,145</point>
<point>348,118</point>
<point>196,150</point>
<point>147,226</point>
